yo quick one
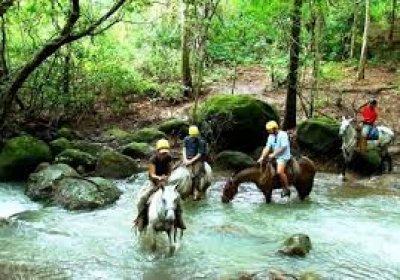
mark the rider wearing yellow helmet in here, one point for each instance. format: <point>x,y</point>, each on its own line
<point>194,153</point>
<point>159,169</point>
<point>277,147</point>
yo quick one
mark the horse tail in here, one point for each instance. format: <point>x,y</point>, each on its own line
<point>305,179</point>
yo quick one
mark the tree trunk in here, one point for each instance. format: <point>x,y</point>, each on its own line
<point>363,57</point>
<point>66,70</point>
<point>354,29</point>
<point>392,21</point>
<point>291,97</point>
<point>187,83</point>
<point>3,46</point>
<point>315,48</point>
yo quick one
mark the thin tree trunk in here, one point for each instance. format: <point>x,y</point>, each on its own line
<point>67,70</point>
<point>363,57</point>
<point>354,28</point>
<point>392,21</point>
<point>316,33</point>
<point>3,47</point>
<point>290,109</point>
<point>187,83</point>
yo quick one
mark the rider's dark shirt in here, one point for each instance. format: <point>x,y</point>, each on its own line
<point>161,163</point>
<point>194,146</point>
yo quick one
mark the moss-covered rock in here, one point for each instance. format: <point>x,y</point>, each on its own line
<point>310,276</point>
<point>117,134</point>
<point>92,148</point>
<point>20,156</point>
<point>137,150</point>
<point>75,158</point>
<point>366,163</point>
<point>237,120</point>
<point>112,164</point>
<point>320,136</point>
<point>41,184</point>
<point>174,127</point>
<point>148,135</point>
<point>67,133</point>
<point>59,145</point>
<point>296,245</point>
<point>85,193</point>
<point>233,160</point>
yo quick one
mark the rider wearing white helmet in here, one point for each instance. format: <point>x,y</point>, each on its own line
<point>277,147</point>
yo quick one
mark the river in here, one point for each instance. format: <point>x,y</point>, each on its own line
<point>354,233</point>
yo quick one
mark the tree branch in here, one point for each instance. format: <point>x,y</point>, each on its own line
<point>5,5</point>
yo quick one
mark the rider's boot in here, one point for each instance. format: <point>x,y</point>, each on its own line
<point>285,186</point>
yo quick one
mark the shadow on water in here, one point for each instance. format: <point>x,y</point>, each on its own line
<point>353,229</point>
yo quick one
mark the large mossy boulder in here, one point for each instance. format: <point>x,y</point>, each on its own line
<point>59,145</point>
<point>366,163</point>
<point>174,127</point>
<point>76,158</point>
<point>92,148</point>
<point>20,156</point>
<point>117,135</point>
<point>85,193</point>
<point>297,245</point>
<point>233,160</point>
<point>112,164</point>
<point>236,121</point>
<point>137,150</point>
<point>41,183</point>
<point>320,136</point>
<point>310,276</point>
<point>148,135</point>
<point>67,133</point>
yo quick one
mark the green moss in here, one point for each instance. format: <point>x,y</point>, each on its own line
<point>137,150</point>
<point>59,145</point>
<point>320,136</point>
<point>174,126</point>
<point>74,158</point>
<point>117,134</point>
<point>65,132</point>
<point>234,160</point>
<point>148,135</point>
<point>20,156</point>
<point>113,164</point>
<point>238,120</point>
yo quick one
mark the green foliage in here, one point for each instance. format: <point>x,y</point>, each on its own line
<point>332,71</point>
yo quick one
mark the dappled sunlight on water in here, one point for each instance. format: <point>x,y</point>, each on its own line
<point>354,232</point>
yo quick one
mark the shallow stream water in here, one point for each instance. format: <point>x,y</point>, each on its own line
<point>355,233</point>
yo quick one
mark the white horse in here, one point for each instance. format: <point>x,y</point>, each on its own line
<point>349,142</point>
<point>161,213</point>
<point>182,178</point>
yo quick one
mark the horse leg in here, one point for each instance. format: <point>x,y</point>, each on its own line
<point>153,239</point>
<point>268,194</point>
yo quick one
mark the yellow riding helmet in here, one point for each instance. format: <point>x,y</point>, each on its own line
<point>271,125</point>
<point>162,144</point>
<point>194,130</point>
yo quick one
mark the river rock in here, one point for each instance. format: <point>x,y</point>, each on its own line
<point>137,150</point>
<point>148,135</point>
<point>234,160</point>
<point>4,221</point>
<point>118,135</point>
<point>92,148</point>
<point>320,136</point>
<point>59,145</point>
<point>75,158</point>
<point>85,193</point>
<point>310,276</point>
<point>20,156</point>
<point>236,122</point>
<point>296,245</point>
<point>386,181</point>
<point>67,133</point>
<point>113,164</point>
<point>41,183</point>
<point>174,127</point>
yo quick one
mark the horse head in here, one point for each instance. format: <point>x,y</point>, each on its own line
<point>229,191</point>
<point>169,202</point>
<point>344,125</point>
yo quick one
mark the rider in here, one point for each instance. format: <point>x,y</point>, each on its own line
<point>159,169</point>
<point>194,153</point>
<point>369,115</point>
<point>278,147</point>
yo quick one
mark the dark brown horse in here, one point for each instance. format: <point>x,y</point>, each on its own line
<point>300,173</point>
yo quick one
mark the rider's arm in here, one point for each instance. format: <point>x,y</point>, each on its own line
<point>264,154</point>
<point>152,172</point>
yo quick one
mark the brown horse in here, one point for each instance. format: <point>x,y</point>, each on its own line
<point>300,173</point>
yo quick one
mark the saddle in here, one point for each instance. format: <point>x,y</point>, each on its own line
<point>292,170</point>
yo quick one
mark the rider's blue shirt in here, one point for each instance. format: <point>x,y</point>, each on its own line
<point>280,140</point>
